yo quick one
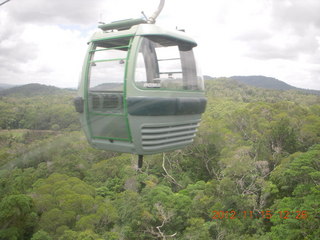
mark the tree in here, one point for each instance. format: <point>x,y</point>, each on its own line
<point>197,229</point>
<point>17,218</point>
<point>41,235</point>
<point>298,196</point>
<point>283,137</point>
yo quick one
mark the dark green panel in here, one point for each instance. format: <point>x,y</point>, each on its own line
<point>156,106</point>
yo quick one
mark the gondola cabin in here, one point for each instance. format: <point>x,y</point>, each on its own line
<point>140,91</point>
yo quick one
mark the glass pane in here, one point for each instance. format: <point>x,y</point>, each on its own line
<point>165,53</point>
<point>141,74</point>
<point>163,63</point>
<point>106,86</point>
<point>107,76</point>
<point>105,53</point>
<point>109,127</point>
<point>106,102</point>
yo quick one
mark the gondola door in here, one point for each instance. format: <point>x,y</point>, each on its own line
<point>106,90</point>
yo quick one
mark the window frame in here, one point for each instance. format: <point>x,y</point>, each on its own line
<point>180,44</point>
<point>89,112</point>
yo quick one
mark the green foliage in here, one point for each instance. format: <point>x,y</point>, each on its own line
<point>283,136</point>
<point>197,229</point>
<point>41,235</point>
<point>298,183</point>
<point>256,150</point>
<point>17,218</point>
<point>41,112</point>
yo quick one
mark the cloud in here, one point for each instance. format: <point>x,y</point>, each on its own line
<point>45,41</point>
<point>282,45</point>
<point>279,38</point>
<point>45,54</point>
<point>296,14</point>
<point>77,12</point>
<point>54,12</point>
<point>14,50</point>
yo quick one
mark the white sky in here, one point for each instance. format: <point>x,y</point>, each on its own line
<point>44,41</point>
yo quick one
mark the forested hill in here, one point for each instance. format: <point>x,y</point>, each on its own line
<point>29,90</point>
<point>267,83</point>
<point>5,86</point>
<point>252,173</point>
<point>263,82</point>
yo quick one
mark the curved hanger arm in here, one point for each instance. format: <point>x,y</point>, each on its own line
<point>154,16</point>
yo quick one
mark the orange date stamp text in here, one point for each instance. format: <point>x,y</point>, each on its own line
<point>268,214</point>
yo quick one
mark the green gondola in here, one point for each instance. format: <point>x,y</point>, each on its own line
<point>140,91</point>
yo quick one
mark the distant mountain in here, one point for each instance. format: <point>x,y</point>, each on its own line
<point>5,86</point>
<point>108,86</point>
<point>263,82</point>
<point>267,83</point>
<point>29,90</point>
